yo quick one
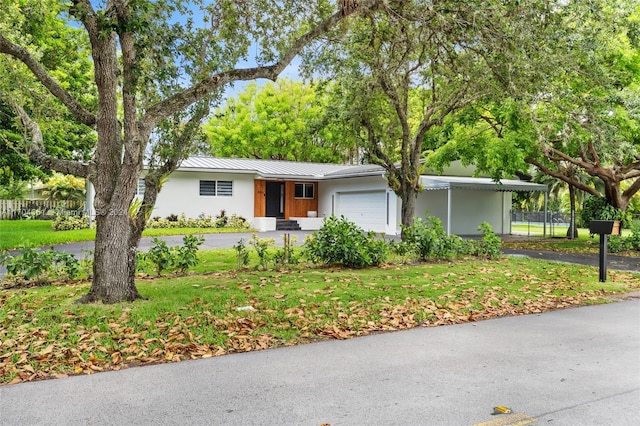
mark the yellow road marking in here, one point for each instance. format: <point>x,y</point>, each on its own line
<point>516,419</point>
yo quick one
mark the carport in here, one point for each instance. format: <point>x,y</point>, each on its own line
<point>452,183</point>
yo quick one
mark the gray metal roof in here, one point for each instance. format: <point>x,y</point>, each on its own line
<point>274,169</point>
<point>278,169</point>
<point>476,183</point>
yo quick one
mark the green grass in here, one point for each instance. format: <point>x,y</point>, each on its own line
<point>44,334</point>
<point>37,233</point>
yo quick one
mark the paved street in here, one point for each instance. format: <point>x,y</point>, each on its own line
<point>572,367</point>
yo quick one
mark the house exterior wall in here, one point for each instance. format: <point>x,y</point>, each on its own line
<point>181,194</point>
<point>299,207</point>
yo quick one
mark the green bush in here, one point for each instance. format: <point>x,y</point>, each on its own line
<point>617,244</point>
<point>339,241</point>
<point>491,245</point>
<point>597,208</point>
<point>68,222</point>
<point>161,257</point>
<point>634,238</point>
<point>429,239</point>
<point>40,266</point>
<point>202,221</point>
<point>242,254</point>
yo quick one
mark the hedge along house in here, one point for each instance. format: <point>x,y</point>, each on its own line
<point>267,193</point>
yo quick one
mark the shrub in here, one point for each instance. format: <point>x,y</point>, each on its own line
<point>617,244</point>
<point>634,238</point>
<point>68,222</point>
<point>40,265</point>
<point>161,257</point>
<point>491,243</point>
<point>242,254</point>
<point>286,255</point>
<point>186,256</point>
<point>429,238</point>
<point>597,208</point>
<point>339,241</point>
<point>261,245</point>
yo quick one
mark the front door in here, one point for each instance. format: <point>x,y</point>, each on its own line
<point>275,199</point>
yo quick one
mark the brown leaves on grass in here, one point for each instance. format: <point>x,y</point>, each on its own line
<point>29,352</point>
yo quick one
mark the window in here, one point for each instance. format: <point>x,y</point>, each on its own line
<point>141,186</point>
<point>220,188</point>
<point>304,190</point>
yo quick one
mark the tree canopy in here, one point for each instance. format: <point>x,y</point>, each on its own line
<point>582,121</point>
<point>277,121</point>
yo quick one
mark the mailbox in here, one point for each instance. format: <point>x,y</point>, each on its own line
<point>607,227</point>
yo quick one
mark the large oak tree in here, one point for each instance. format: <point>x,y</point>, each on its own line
<point>399,76</point>
<point>157,65</point>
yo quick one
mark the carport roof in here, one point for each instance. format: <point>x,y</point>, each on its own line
<point>431,183</point>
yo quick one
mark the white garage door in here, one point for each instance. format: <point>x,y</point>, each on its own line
<point>367,209</point>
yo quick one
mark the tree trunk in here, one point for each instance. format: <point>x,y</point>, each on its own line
<point>111,265</point>
<point>408,210</point>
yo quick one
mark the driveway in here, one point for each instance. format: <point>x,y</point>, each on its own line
<point>571,367</point>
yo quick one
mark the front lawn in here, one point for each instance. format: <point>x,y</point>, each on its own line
<point>38,233</point>
<point>44,334</point>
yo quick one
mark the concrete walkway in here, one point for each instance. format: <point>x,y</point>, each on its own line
<point>572,367</point>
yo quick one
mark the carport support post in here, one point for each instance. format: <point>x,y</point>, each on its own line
<point>603,258</point>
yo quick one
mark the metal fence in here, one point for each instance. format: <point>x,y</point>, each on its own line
<point>38,209</point>
<point>536,223</point>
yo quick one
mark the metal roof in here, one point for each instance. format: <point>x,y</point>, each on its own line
<point>275,169</point>
<point>266,168</point>
<point>476,183</point>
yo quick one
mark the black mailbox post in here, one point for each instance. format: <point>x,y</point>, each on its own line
<point>604,228</point>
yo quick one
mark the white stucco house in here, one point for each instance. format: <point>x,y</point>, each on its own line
<point>264,191</point>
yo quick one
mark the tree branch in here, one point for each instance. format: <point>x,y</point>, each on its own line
<point>200,90</point>
<point>562,177</point>
<point>35,148</point>
<point>21,54</point>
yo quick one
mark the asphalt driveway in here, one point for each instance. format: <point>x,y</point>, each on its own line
<point>577,366</point>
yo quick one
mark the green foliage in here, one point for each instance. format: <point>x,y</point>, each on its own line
<point>491,243</point>
<point>275,121</point>
<point>186,256</point>
<point>261,246</point>
<point>40,266</point>
<point>161,257</point>
<point>12,189</point>
<point>340,241</point>
<point>242,254</point>
<point>429,239</point>
<point>618,243</point>
<point>69,222</point>
<point>286,255</point>
<point>597,208</point>
<point>634,238</point>
<point>203,221</point>
<point>61,187</point>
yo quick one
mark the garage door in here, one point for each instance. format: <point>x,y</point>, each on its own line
<point>367,209</point>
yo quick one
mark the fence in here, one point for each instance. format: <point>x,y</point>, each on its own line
<point>534,223</point>
<point>38,209</point>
